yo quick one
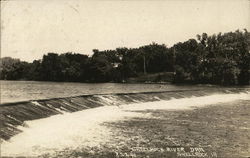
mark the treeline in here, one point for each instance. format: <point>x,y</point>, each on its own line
<point>217,59</point>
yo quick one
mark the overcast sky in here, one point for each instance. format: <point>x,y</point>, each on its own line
<point>31,28</point>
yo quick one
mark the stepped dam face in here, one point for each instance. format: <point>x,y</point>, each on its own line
<point>14,115</point>
<point>60,126</point>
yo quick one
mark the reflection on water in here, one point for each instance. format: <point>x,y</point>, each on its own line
<point>13,91</point>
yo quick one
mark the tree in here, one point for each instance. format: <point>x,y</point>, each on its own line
<point>216,59</point>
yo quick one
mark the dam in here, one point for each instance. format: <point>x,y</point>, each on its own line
<point>29,120</point>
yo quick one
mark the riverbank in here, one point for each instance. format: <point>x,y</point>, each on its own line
<point>163,77</point>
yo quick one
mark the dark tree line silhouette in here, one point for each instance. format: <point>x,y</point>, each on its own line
<point>217,59</point>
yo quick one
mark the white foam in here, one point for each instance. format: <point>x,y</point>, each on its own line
<point>186,103</point>
<point>62,111</point>
<point>84,128</point>
<point>36,103</point>
<point>12,118</point>
<point>69,130</point>
<point>106,99</point>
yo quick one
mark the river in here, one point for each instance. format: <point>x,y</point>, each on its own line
<point>121,120</point>
<point>14,91</point>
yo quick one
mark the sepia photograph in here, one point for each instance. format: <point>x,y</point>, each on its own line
<point>125,79</point>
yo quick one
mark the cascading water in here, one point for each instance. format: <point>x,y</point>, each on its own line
<point>75,123</point>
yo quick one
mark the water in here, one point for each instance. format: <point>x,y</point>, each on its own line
<point>14,91</point>
<point>71,124</point>
<point>84,129</point>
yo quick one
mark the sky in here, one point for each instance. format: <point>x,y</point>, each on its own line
<point>32,28</point>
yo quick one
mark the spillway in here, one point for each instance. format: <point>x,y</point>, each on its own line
<point>13,115</point>
<point>40,127</point>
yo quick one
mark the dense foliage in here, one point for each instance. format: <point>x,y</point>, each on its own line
<point>217,59</point>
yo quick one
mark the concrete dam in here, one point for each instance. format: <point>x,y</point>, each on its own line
<point>14,115</point>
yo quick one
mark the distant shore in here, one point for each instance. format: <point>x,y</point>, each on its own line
<point>220,59</point>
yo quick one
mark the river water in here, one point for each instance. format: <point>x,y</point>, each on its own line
<point>14,91</point>
<point>84,131</point>
<point>71,133</point>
